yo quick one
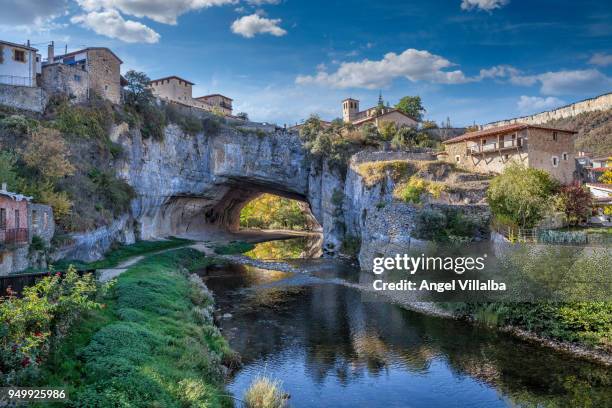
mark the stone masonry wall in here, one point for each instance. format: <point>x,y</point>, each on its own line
<point>23,97</point>
<point>65,79</point>
<point>601,102</point>
<point>542,148</point>
<point>104,74</point>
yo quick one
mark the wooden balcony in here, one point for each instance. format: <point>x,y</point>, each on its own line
<point>515,144</point>
<point>14,236</point>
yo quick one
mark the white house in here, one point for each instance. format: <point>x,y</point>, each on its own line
<point>19,64</point>
<point>602,198</point>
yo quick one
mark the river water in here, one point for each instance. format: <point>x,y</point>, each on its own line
<point>331,346</point>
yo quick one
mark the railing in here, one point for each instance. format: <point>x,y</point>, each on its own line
<point>14,236</point>
<point>16,80</point>
<point>554,237</point>
<point>494,147</point>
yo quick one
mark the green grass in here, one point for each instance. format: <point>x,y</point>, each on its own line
<point>150,346</point>
<point>116,256</point>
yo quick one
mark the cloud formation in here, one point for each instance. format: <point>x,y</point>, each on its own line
<point>486,5</point>
<point>415,65</point>
<point>566,82</point>
<point>162,11</point>
<point>601,59</point>
<point>111,24</point>
<point>530,104</point>
<point>249,26</point>
<point>30,12</point>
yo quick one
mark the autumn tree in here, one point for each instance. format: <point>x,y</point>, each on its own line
<point>575,202</point>
<point>46,153</point>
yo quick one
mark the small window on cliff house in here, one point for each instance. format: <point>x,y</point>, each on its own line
<point>555,161</point>
<point>2,218</point>
<point>19,55</point>
<point>77,78</point>
<point>17,220</point>
<point>1,54</point>
<point>564,156</point>
<point>34,219</point>
<point>555,136</point>
<point>457,158</point>
<point>45,220</point>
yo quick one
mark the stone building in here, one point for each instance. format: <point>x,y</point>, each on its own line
<point>493,149</point>
<point>376,115</point>
<point>177,89</point>
<point>219,102</point>
<point>93,70</point>
<point>19,64</point>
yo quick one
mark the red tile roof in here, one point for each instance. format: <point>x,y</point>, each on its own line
<point>498,130</point>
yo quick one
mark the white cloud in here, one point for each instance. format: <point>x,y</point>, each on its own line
<point>531,104</point>
<point>249,26</point>
<point>30,13</point>
<point>262,2</point>
<point>111,24</point>
<point>567,82</point>
<point>498,71</point>
<point>601,59</point>
<point>162,11</point>
<point>415,65</point>
<point>486,5</point>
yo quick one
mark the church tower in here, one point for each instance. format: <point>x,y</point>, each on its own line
<point>350,108</point>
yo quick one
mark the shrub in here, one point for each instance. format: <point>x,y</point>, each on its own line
<point>265,393</point>
<point>46,152</point>
<point>37,244</point>
<point>351,245</point>
<point>575,202</point>
<point>430,225</point>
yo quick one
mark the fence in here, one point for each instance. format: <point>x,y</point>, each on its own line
<point>555,237</point>
<point>18,282</point>
<point>14,236</point>
<point>17,80</point>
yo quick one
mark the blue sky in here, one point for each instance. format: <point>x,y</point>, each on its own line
<point>281,60</point>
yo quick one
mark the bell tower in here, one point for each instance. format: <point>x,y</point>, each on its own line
<point>350,108</point>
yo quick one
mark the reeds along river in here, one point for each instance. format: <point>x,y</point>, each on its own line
<point>331,346</point>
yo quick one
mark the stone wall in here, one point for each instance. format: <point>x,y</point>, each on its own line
<point>104,74</point>
<point>65,79</point>
<point>542,148</point>
<point>602,102</point>
<point>40,220</point>
<point>23,97</point>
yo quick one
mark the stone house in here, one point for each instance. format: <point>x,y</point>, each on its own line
<point>82,73</point>
<point>19,64</point>
<point>219,102</point>
<point>20,221</point>
<point>179,90</point>
<point>376,115</point>
<point>493,149</point>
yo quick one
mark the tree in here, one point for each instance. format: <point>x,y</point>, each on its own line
<point>606,177</point>
<point>411,106</point>
<point>138,90</point>
<point>429,124</point>
<point>387,130</point>
<point>8,174</point>
<point>576,202</point>
<point>46,153</point>
<point>242,115</point>
<point>520,196</point>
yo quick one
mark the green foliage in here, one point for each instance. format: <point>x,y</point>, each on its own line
<point>41,316</point>
<point>242,115</point>
<point>37,244</point>
<point>190,124</point>
<point>234,247</point>
<point>265,393</point>
<point>446,226</point>
<point>116,194</point>
<point>520,195</point>
<point>562,237</point>
<point>156,348</point>
<point>152,121</point>
<point>327,143</point>
<point>269,211</point>
<point>138,92</point>
<point>413,190</point>
<point>351,245</point>
<point>337,197</point>
<point>18,124</point>
<point>411,106</point>
<point>8,171</point>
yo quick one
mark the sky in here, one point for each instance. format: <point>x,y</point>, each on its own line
<point>472,61</point>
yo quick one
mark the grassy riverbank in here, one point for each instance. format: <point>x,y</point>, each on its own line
<point>153,344</point>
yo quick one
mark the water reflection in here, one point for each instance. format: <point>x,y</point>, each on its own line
<point>332,348</point>
<point>303,247</point>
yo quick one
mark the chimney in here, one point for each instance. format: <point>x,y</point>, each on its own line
<point>50,52</point>
<point>4,187</point>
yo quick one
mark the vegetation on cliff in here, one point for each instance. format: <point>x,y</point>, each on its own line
<point>594,130</point>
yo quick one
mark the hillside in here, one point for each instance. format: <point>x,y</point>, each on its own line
<point>595,130</point>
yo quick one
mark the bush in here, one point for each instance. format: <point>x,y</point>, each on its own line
<point>412,190</point>
<point>265,393</point>
<point>351,245</point>
<point>576,203</point>
<point>430,225</point>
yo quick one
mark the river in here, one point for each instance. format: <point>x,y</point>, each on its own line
<point>331,346</point>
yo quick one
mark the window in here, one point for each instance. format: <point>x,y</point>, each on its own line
<point>2,218</point>
<point>457,159</point>
<point>34,218</point>
<point>555,136</point>
<point>555,161</point>
<point>506,157</point>
<point>19,55</point>
<point>45,220</point>
<point>564,155</point>
<point>17,223</point>
<point>1,54</point>
<point>106,87</point>
<point>77,78</point>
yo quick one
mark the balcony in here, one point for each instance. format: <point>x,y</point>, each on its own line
<point>14,236</point>
<point>495,147</point>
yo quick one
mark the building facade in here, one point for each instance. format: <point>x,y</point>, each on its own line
<point>219,102</point>
<point>376,115</point>
<point>492,150</point>
<point>97,70</point>
<point>19,64</point>
<point>179,90</point>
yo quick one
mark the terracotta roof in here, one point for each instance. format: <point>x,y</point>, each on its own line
<point>208,96</point>
<point>501,130</point>
<point>88,49</point>
<point>598,169</point>
<point>360,121</point>
<point>171,77</point>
